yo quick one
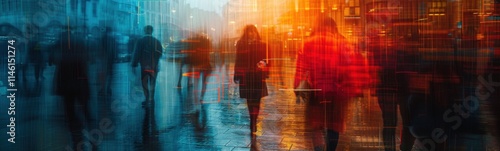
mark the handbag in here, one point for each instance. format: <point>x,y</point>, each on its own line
<point>302,91</point>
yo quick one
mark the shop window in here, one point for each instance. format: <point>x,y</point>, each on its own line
<point>436,8</point>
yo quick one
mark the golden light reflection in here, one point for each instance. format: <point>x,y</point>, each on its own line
<point>431,29</point>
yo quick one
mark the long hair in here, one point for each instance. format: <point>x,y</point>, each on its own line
<point>248,29</point>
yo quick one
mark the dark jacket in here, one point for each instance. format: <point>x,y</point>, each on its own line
<point>147,52</point>
<point>250,77</point>
<point>71,75</point>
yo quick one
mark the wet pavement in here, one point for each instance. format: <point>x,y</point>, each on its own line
<point>178,120</point>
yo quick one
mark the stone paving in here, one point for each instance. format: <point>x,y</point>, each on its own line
<point>221,122</point>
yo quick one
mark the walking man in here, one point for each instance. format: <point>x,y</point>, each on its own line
<point>147,52</point>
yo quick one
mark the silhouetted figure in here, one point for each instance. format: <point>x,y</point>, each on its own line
<point>180,49</point>
<point>37,61</point>
<point>392,92</point>
<point>148,51</point>
<point>107,56</point>
<point>440,119</point>
<point>322,62</point>
<point>71,81</point>
<point>250,54</point>
<point>36,58</point>
<point>199,60</point>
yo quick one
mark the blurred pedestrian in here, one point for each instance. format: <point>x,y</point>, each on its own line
<point>392,91</point>
<point>250,72</point>
<point>107,56</point>
<point>36,57</point>
<point>199,60</point>
<point>180,47</point>
<point>71,81</point>
<point>322,63</point>
<point>439,86</point>
<point>147,52</point>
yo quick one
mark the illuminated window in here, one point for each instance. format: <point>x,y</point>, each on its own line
<point>488,6</point>
<point>352,8</point>
<point>436,8</point>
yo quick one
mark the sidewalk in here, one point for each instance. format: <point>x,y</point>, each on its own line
<point>221,123</point>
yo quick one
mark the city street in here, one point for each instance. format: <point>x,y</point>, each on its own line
<point>387,75</point>
<point>221,122</point>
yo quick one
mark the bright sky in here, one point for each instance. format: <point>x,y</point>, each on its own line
<point>209,5</point>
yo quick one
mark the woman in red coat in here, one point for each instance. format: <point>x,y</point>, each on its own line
<point>323,63</point>
<point>250,71</point>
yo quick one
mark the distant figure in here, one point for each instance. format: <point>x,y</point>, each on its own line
<point>322,62</point>
<point>393,93</point>
<point>251,72</point>
<point>199,59</point>
<point>36,56</point>
<point>147,52</point>
<point>107,55</point>
<point>71,81</point>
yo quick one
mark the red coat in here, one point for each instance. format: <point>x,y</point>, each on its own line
<point>326,57</point>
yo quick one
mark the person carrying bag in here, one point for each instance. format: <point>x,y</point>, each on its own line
<point>322,72</point>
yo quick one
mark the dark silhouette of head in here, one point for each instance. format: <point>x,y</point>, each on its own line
<point>148,30</point>
<point>250,32</point>
<point>326,24</point>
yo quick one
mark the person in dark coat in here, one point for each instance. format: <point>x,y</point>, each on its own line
<point>71,80</point>
<point>393,92</point>
<point>147,52</point>
<point>250,72</point>
<point>107,56</point>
